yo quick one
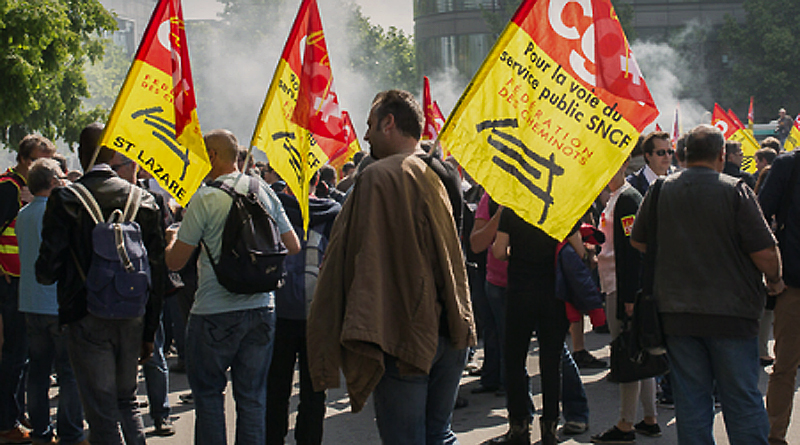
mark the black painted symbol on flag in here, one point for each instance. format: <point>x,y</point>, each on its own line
<point>294,155</point>
<point>747,162</point>
<point>527,165</point>
<point>164,131</point>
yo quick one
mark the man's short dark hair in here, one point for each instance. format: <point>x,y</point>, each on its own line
<point>41,174</point>
<point>358,157</point>
<point>732,147</point>
<point>348,167</point>
<point>62,162</point>
<point>31,143</point>
<point>767,154</point>
<point>704,143</point>
<point>649,144</point>
<point>771,142</point>
<point>87,144</point>
<point>327,174</point>
<point>637,148</point>
<point>406,110</point>
<point>680,148</point>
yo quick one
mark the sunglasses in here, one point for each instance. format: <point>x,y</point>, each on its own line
<point>663,152</point>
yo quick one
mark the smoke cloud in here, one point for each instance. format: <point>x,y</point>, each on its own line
<point>232,84</point>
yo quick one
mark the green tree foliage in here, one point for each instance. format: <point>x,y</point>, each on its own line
<point>385,56</point>
<point>764,57</point>
<point>45,43</point>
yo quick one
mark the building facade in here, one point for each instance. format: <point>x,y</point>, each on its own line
<point>132,18</point>
<point>459,33</point>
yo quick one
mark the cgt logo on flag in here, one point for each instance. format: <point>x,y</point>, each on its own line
<point>154,120</point>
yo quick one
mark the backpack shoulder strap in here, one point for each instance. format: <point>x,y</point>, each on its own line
<point>132,204</point>
<point>89,203</point>
<point>224,187</point>
<point>253,187</point>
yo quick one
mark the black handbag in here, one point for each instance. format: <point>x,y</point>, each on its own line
<point>646,332</point>
<point>630,363</point>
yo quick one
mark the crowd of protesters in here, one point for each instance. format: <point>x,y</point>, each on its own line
<point>420,262</point>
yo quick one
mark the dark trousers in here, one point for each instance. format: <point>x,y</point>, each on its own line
<point>13,363</point>
<point>105,356</point>
<point>290,346</point>
<point>531,309</point>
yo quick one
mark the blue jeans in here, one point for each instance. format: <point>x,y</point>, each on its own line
<point>47,346</point>
<point>418,409</point>
<point>241,341</point>
<point>156,378</point>
<point>105,358</point>
<point>732,363</point>
<point>574,403</point>
<point>14,356</point>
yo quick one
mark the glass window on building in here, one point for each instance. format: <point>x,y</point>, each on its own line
<point>464,52</point>
<point>124,36</point>
<point>426,7</point>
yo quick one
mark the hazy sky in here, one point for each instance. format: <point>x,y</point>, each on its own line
<point>381,12</point>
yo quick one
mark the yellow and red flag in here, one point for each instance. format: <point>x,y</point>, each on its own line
<point>553,112</point>
<point>154,120</point>
<point>346,152</point>
<point>731,128</point>
<point>793,140</point>
<point>751,117</point>
<point>300,126</point>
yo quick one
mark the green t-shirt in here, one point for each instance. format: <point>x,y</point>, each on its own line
<point>205,219</point>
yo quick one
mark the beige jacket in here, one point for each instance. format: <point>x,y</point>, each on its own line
<point>394,263</point>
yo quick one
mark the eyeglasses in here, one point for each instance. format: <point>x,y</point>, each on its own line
<point>663,152</point>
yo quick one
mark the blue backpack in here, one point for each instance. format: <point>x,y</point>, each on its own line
<point>118,281</point>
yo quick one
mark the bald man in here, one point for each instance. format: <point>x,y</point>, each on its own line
<point>226,330</point>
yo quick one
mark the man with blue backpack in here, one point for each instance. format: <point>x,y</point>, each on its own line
<point>103,242</point>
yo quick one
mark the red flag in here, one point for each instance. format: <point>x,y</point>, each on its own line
<point>751,117</point>
<point>658,128</point>
<point>721,120</point>
<point>735,119</point>
<point>433,116</point>
<point>676,128</point>
<point>317,107</point>
<point>346,152</point>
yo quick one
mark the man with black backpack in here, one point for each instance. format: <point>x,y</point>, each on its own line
<point>109,293</point>
<point>232,321</point>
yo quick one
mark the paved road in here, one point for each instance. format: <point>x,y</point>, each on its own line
<point>483,419</point>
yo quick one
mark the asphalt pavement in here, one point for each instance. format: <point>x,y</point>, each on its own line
<point>481,420</point>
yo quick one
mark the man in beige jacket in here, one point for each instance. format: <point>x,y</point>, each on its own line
<point>392,307</point>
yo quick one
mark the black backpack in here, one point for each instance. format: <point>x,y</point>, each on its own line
<point>118,280</point>
<point>251,259</point>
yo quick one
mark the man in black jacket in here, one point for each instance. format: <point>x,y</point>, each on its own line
<point>104,352</point>
<point>780,198</point>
